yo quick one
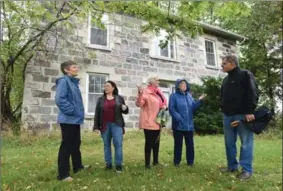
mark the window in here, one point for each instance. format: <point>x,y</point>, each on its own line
<point>99,38</point>
<point>168,52</point>
<point>210,53</point>
<point>95,87</point>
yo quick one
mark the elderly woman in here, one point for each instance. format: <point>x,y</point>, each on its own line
<point>181,108</point>
<point>150,100</point>
<point>109,120</point>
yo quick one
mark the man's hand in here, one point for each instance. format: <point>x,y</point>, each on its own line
<point>202,97</point>
<point>250,117</point>
<point>124,107</point>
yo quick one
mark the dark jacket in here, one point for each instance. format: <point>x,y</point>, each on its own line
<point>68,98</point>
<point>119,120</point>
<point>181,108</point>
<point>239,93</point>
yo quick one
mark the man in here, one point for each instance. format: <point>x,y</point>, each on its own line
<point>71,115</point>
<point>239,99</point>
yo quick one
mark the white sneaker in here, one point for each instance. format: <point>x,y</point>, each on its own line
<point>68,179</point>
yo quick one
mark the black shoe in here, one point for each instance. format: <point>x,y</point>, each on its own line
<point>225,169</point>
<point>244,175</point>
<point>191,165</point>
<point>147,166</point>
<point>108,167</point>
<point>177,165</point>
<point>85,167</point>
<point>118,169</point>
<point>157,164</point>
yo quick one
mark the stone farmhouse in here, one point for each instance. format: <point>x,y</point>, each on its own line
<point>125,55</point>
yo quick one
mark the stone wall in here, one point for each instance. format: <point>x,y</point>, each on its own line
<point>128,62</point>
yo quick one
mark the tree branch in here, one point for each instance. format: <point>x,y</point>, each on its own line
<point>42,33</point>
<point>17,108</point>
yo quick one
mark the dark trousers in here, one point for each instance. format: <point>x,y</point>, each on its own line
<point>70,146</point>
<point>152,140</point>
<point>178,145</point>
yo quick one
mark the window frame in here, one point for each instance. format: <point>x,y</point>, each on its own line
<point>107,26</point>
<point>215,53</point>
<point>156,53</point>
<point>87,88</point>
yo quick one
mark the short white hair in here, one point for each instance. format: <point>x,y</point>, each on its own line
<point>152,79</point>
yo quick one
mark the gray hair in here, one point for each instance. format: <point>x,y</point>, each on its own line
<point>152,79</point>
<point>232,59</point>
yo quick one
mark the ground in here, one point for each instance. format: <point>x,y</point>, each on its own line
<point>30,163</point>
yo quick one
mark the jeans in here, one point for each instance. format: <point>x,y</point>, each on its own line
<point>70,146</point>
<point>246,137</point>
<point>152,142</point>
<point>114,132</point>
<point>178,145</point>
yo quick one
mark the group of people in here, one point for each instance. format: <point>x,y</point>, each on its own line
<point>237,102</point>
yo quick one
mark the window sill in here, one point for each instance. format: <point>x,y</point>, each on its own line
<point>106,48</point>
<point>213,67</point>
<point>164,58</point>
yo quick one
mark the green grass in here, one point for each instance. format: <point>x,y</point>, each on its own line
<point>30,163</point>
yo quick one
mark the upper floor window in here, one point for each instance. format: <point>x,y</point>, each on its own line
<point>98,37</point>
<point>210,53</point>
<point>169,51</point>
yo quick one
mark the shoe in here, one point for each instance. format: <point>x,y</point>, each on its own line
<point>119,169</point>
<point>157,164</point>
<point>108,167</point>
<point>225,169</point>
<point>67,179</point>
<point>244,175</point>
<point>85,167</point>
<point>191,165</point>
<point>147,166</point>
<point>177,165</point>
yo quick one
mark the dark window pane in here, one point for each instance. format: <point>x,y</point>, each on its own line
<point>98,36</point>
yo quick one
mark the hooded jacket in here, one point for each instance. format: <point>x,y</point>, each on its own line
<point>181,108</point>
<point>68,98</point>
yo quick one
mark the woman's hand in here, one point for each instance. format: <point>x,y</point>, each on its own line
<point>140,89</point>
<point>202,97</point>
<point>124,107</point>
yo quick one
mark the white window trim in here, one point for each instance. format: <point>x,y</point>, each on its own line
<point>157,54</point>
<point>215,54</point>
<point>95,46</point>
<point>87,89</point>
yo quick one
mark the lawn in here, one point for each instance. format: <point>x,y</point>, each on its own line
<point>30,163</point>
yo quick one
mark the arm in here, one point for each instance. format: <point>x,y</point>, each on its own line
<point>141,100</point>
<point>172,109</point>
<point>123,103</point>
<point>196,104</point>
<point>96,116</point>
<point>61,98</point>
<point>252,94</point>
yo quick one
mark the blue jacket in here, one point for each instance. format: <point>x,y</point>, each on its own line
<point>181,108</point>
<point>68,98</point>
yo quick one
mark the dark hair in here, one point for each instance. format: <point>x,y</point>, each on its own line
<point>232,59</point>
<point>113,84</point>
<point>66,65</point>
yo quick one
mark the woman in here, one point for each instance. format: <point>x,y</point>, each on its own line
<point>181,108</point>
<point>109,120</point>
<point>150,100</point>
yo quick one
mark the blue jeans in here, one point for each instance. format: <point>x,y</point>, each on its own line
<point>116,132</point>
<point>247,139</point>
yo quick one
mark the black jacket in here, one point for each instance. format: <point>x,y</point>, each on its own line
<point>119,120</point>
<point>239,93</point>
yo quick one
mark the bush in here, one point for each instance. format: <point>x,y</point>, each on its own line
<point>208,119</point>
